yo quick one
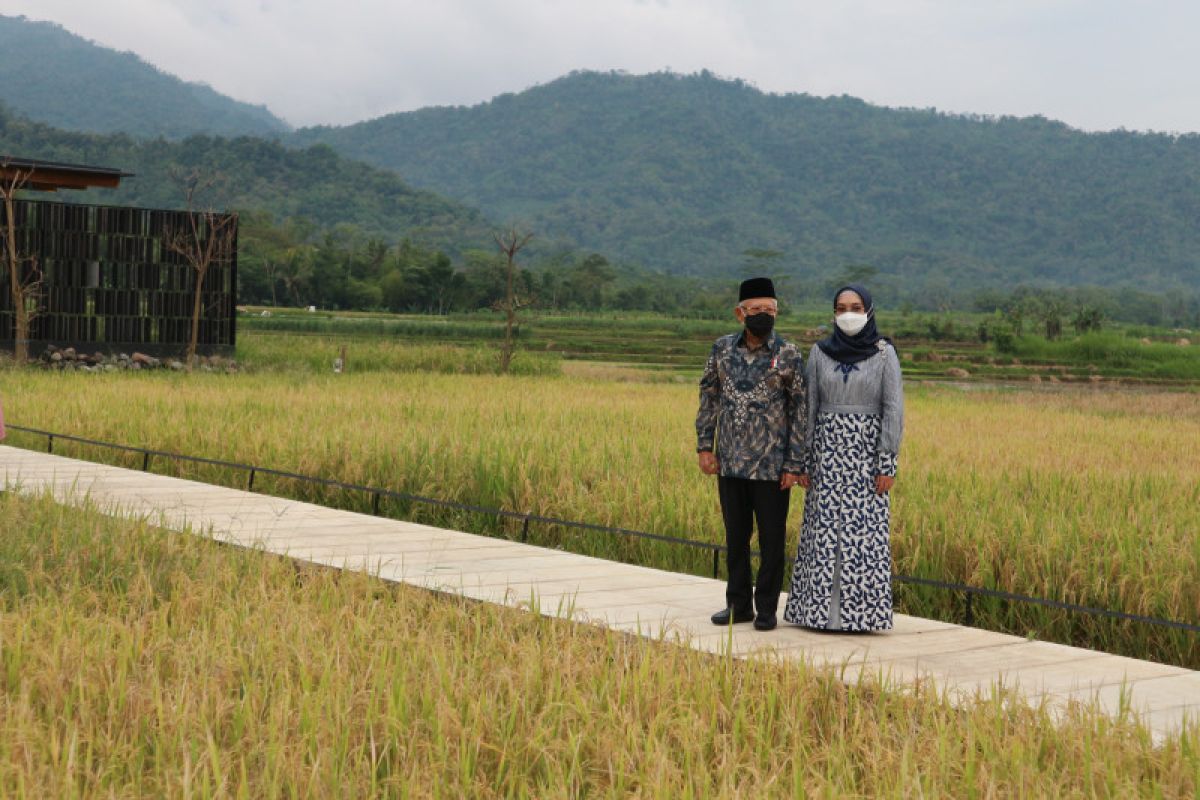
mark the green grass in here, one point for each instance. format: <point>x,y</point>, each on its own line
<point>141,663</point>
<point>298,354</point>
<point>1115,354</point>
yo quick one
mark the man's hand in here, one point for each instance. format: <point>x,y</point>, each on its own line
<point>883,484</point>
<point>789,480</point>
<point>708,463</point>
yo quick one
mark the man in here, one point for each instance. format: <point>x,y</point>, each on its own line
<point>750,433</point>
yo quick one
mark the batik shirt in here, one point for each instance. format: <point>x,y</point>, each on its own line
<point>753,408</point>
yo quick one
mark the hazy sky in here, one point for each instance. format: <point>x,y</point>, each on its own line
<point>1095,64</point>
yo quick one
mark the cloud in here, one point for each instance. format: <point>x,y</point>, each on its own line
<point>1096,64</point>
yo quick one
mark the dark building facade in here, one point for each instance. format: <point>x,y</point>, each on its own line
<point>110,282</point>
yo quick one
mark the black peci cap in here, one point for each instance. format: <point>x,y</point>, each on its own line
<point>756,287</point>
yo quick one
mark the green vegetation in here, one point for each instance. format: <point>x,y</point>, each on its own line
<point>56,77</point>
<point>1016,490</point>
<point>295,185</point>
<point>1116,354</point>
<point>686,173</point>
<point>932,346</point>
<point>138,662</point>
<point>296,354</point>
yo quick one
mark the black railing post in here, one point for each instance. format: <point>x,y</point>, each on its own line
<point>375,504</point>
<point>250,481</point>
<point>50,443</point>
<point>525,529</point>
<point>145,461</point>
<point>970,615</point>
<point>716,562</point>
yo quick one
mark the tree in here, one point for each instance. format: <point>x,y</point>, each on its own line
<point>208,238</point>
<point>759,261</point>
<point>510,243</point>
<point>1050,311</point>
<point>1088,318</point>
<point>590,280</point>
<point>24,272</point>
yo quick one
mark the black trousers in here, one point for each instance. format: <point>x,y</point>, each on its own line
<point>743,502</point>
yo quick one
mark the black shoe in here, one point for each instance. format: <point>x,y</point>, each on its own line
<point>727,615</point>
<point>764,622</point>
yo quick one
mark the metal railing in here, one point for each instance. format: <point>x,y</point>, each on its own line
<point>377,494</point>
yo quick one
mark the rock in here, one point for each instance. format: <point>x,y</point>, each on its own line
<point>175,365</point>
<point>69,353</point>
<point>958,372</point>
<point>141,358</point>
<point>56,357</point>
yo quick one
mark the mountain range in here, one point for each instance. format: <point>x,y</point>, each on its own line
<point>683,174</point>
<point>686,173</point>
<point>51,75</point>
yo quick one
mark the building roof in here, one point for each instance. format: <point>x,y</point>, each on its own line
<point>50,176</point>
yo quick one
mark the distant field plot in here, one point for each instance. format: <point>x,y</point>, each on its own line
<point>957,347</point>
<point>1084,495</point>
<point>136,662</point>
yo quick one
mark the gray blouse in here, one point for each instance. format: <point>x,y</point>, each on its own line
<point>872,386</point>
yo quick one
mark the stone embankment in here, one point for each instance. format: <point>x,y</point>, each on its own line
<point>67,358</point>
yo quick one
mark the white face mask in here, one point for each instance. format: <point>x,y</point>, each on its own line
<point>851,323</point>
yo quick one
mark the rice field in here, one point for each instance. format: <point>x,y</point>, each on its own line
<point>1088,496</point>
<point>141,663</point>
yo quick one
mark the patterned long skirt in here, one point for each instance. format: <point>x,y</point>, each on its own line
<point>842,579</point>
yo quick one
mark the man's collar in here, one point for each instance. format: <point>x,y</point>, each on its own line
<point>772,343</point>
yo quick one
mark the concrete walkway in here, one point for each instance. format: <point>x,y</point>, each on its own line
<point>650,602</point>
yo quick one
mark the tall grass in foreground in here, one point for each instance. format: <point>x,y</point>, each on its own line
<point>1089,497</point>
<point>140,663</point>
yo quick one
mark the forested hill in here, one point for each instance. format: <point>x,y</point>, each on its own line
<point>53,76</point>
<point>314,183</point>
<point>687,173</point>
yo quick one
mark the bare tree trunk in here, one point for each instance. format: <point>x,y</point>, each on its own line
<point>194,338</point>
<point>200,250</point>
<point>21,288</point>
<point>510,318</point>
<point>510,244</point>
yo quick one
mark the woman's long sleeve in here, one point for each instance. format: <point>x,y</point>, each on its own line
<point>892,409</point>
<point>814,403</point>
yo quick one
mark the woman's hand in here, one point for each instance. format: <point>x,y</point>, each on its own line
<point>884,484</point>
<point>804,481</point>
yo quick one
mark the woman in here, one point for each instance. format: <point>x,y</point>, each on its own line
<point>842,579</point>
